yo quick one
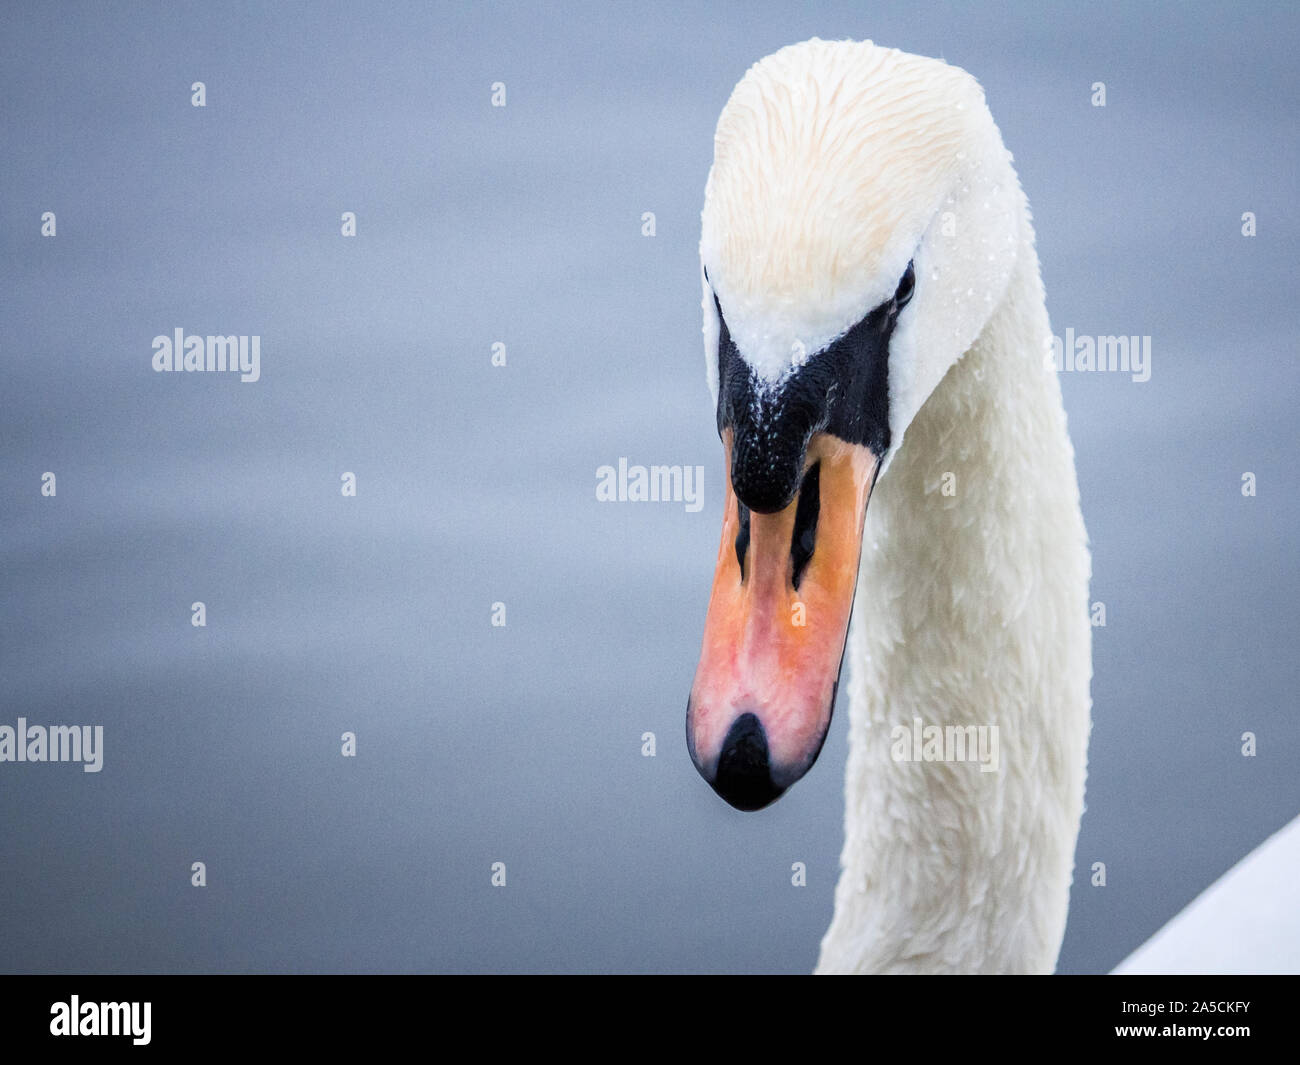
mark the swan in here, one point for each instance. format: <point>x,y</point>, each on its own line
<point>876,331</point>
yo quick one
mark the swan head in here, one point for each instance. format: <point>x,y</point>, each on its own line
<point>860,225</point>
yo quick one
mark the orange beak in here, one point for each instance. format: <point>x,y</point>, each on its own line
<point>778,617</point>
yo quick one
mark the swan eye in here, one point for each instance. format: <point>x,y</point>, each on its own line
<point>905,288</point>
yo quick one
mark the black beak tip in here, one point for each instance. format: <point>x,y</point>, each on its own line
<point>744,774</point>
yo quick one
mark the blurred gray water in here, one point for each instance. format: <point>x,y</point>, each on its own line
<point>476,484</point>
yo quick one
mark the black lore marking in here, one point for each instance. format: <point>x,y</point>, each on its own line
<point>742,537</point>
<point>804,539</point>
<point>842,390</point>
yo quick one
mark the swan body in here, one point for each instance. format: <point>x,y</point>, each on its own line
<point>839,169</point>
